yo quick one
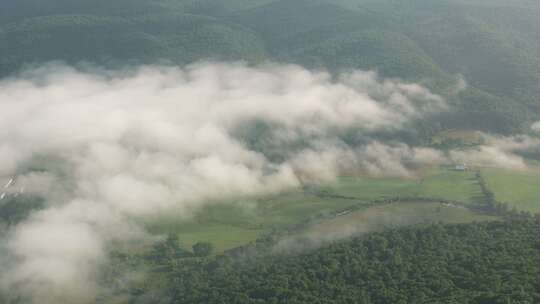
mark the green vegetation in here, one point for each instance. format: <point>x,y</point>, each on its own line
<point>394,215</point>
<point>439,236</point>
<point>456,139</point>
<point>228,226</point>
<point>360,204</point>
<point>180,38</point>
<point>15,209</point>
<point>518,189</point>
<point>203,249</point>
<point>443,195</point>
<point>495,47</point>
<point>436,183</point>
<point>450,184</point>
<point>367,188</point>
<point>222,236</point>
<point>492,262</point>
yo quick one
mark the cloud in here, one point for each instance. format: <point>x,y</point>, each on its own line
<point>380,159</point>
<point>489,156</point>
<point>118,146</point>
<point>536,126</point>
<point>499,151</point>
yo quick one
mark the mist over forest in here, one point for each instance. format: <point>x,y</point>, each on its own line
<point>267,151</point>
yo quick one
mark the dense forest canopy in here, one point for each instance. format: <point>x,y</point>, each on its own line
<point>493,46</point>
<point>495,262</point>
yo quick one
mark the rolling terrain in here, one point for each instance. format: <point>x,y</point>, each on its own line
<point>269,151</point>
<point>417,41</point>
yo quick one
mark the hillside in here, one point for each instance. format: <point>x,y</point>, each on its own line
<point>269,151</point>
<point>495,47</point>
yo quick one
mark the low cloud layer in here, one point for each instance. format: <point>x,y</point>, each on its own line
<point>109,150</point>
<point>498,151</point>
<point>536,127</point>
<point>114,147</point>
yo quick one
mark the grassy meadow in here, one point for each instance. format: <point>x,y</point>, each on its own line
<point>230,225</point>
<point>520,189</point>
<point>437,183</point>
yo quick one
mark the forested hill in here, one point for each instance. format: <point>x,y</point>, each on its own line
<point>494,45</point>
<point>481,263</point>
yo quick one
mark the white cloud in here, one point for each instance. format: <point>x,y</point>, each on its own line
<point>498,151</point>
<point>137,143</point>
<point>536,126</point>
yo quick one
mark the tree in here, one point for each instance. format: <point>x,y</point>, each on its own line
<point>203,249</point>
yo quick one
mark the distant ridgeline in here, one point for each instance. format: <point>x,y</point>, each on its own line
<point>495,46</point>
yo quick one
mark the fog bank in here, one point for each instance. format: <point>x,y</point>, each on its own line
<point>116,146</point>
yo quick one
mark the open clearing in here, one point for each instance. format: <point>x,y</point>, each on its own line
<point>520,189</point>
<point>231,225</point>
<point>436,183</point>
<point>228,226</point>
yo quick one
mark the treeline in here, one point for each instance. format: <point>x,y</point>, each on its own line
<point>494,262</point>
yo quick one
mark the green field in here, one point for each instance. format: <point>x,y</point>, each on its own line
<point>229,225</point>
<point>395,215</point>
<point>437,183</point>
<point>520,189</point>
<point>449,184</point>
